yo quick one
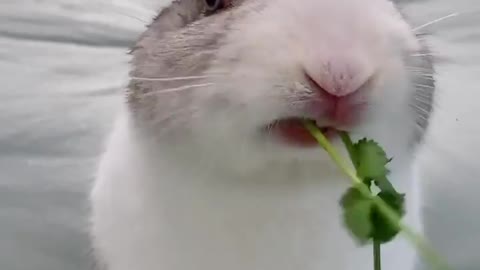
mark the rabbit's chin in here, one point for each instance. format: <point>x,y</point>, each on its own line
<point>152,211</point>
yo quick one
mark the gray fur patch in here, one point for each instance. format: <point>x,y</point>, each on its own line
<point>181,42</point>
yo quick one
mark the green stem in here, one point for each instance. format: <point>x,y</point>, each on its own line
<point>377,256</point>
<point>349,145</point>
<point>387,211</point>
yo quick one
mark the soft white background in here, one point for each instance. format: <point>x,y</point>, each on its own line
<point>63,65</point>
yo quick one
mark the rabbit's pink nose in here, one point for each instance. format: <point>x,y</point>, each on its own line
<point>341,86</point>
<point>340,76</point>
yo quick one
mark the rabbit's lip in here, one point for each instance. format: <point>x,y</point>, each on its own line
<point>292,131</point>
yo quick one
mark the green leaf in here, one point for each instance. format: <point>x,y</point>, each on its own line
<point>357,210</point>
<point>383,230</point>
<point>352,196</point>
<point>384,184</point>
<point>370,159</point>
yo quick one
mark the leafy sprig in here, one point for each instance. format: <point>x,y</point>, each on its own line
<point>368,216</point>
<point>370,162</point>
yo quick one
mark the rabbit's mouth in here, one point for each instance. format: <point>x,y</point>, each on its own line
<point>292,131</point>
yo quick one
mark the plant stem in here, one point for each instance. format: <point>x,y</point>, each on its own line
<point>349,145</point>
<point>377,261</point>
<point>387,211</point>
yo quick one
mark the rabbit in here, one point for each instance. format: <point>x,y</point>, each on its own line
<point>209,165</point>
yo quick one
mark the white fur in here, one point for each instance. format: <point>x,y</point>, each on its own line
<point>153,214</point>
<point>221,198</point>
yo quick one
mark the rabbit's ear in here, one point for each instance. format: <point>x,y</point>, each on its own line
<point>177,15</point>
